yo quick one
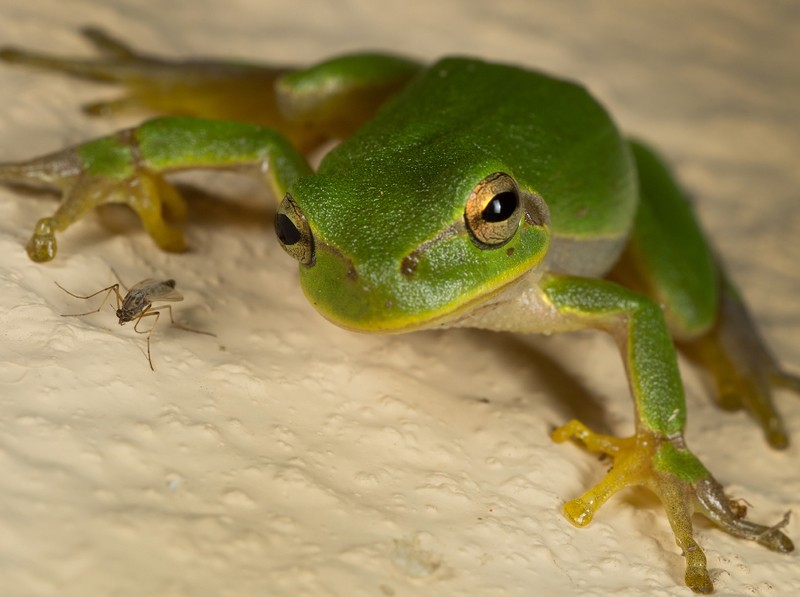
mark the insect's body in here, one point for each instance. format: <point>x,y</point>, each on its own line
<point>138,304</point>
<point>140,297</point>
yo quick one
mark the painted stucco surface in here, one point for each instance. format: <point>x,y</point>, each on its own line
<point>288,457</point>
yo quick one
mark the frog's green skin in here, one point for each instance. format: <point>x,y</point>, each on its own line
<point>464,194</point>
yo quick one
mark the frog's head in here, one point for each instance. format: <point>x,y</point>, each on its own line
<point>380,256</point>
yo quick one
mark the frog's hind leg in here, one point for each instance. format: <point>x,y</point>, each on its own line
<point>192,88</point>
<point>108,45</point>
<point>118,62</point>
<point>743,370</point>
<point>328,100</point>
<point>669,260</point>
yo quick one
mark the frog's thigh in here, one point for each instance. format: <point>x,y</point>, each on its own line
<point>667,257</point>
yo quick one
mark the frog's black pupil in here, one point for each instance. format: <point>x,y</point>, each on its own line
<point>500,207</point>
<point>286,230</point>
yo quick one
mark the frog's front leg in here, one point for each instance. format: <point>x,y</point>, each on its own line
<point>656,456</point>
<point>669,260</point>
<point>128,167</point>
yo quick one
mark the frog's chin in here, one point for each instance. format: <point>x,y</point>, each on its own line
<point>453,316</point>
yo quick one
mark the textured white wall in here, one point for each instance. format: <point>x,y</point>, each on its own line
<point>288,457</point>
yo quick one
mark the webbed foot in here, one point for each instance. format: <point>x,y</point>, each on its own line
<point>92,174</point>
<point>666,467</point>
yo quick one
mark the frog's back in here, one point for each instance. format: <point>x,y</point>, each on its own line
<point>461,115</point>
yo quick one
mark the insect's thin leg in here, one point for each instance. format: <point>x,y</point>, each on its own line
<point>149,312</point>
<point>108,290</point>
<point>116,275</point>
<point>183,327</point>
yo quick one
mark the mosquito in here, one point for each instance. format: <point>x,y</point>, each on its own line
<point>138,304</point>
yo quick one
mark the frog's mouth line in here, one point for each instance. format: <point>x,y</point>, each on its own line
<point>441,319</point>
<point>470,307</point>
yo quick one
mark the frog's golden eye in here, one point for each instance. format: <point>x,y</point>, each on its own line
<point>493,211</point>
<point>293,231</point>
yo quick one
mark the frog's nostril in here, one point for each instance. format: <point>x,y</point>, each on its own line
<point>408,267</point>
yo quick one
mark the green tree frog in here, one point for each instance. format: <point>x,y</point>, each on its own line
<point>462,194</point>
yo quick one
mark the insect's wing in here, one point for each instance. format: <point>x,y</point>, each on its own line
<point>171,296</point>
<point>143,284</point>
<point>156,290</point>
